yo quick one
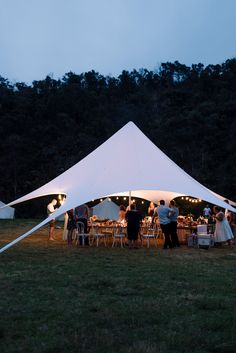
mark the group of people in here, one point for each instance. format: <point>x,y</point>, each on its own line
<point>167,216</point>
<point>224,222</point>
<point>76,217</point>
<point>168,222</point>
<point>130,217</point>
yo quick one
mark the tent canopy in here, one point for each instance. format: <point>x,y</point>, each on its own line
<point>106,209</point>
<point>146,171</point>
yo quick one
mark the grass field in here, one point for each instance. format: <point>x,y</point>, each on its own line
<point>110,300</point>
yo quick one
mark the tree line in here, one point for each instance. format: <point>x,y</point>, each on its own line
<point>187,111</point>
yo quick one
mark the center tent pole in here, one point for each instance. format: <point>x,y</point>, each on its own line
<point>129,198</point>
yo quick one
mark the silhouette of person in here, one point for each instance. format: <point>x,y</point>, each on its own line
<point>133,218</point>
<point>50,209</point>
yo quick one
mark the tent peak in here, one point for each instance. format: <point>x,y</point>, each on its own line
<point>129,124</point>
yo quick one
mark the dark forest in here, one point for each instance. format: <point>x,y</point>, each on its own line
<point>188,112</point>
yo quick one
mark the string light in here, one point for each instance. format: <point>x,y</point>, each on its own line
<point>190,199</point>
<point>61,199</point>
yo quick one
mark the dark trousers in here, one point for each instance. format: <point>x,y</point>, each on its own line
<point>173,234</point>
<point>166,230</point>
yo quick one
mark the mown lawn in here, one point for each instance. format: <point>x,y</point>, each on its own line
<point>59,299</point>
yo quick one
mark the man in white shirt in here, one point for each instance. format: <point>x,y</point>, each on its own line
<point>206,211</point>
<point>164,213</point>
<point>50,209</point>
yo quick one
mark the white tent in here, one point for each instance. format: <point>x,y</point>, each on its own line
<point>106,209</point>
<point>146,171</point>
<point>6,212</point>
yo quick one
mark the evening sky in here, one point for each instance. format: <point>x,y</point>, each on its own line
<point>53,37</point>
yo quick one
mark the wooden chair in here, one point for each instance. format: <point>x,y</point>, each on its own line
<point>96,235</point>
<point>119,236</point>
<point>148,233</point>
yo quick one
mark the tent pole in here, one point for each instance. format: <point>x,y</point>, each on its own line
<point>45,221</point>
<point>129,198</point>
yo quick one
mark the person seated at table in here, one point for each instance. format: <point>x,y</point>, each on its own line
<point>201,220</point>
<point>122,214</point>
<point>133,218</point>
<point>189,219</point>
<point>180,220</point>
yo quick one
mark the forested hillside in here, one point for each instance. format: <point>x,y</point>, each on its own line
<point>188,112</point>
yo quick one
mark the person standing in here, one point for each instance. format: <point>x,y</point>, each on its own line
<point>71,225</point>
<point>51,209</point>
<point>173,224</point>
<point>163,214</point>
<point>206,211</point>
<point>223,232</point>
<point>122,214</point>
<point>133,218</point>
<point>151,209</point>
<point>230,217</point>
<point>82,215</point>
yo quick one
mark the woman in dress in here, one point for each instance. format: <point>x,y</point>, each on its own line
<point>223,232</point>
<point>122,214</point>
<point>151,209</point>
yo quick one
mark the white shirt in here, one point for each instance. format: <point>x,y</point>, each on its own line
<point>50,208</point>
<point>207,211</point>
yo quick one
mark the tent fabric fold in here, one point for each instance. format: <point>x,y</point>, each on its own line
<point>127,161</point>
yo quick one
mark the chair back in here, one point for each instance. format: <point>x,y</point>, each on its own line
<point>95,228</point>
<point>119,230</point>
<point>80,227</point>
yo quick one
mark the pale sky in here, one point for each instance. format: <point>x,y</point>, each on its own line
<point>41,37</point>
